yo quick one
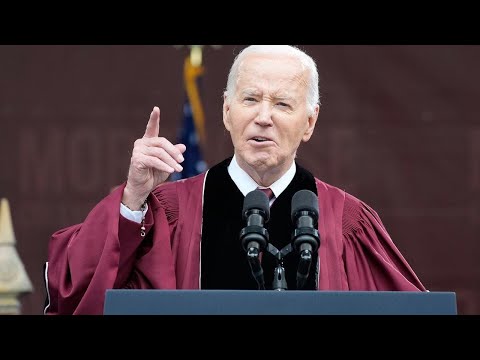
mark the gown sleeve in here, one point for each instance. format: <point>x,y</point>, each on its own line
<point>104,252</point>
<point>371,259</point>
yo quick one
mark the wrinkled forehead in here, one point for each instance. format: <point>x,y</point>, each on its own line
<point>282,69</point>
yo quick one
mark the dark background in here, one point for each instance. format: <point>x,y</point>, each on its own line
<point>399,128</point>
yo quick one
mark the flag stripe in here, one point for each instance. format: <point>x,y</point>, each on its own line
<point>191,73</point>
<point>192,132</point>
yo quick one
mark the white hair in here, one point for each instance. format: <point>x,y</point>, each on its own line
<point>313,97</point>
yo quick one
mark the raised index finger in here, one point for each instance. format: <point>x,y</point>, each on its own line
<point>153,125</point>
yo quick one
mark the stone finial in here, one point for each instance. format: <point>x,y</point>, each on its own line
<point>14,280</point>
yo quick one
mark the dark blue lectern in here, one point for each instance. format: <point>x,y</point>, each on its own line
<point>272,302</point>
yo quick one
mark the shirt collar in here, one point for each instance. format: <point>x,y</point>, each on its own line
<point>246,184</point>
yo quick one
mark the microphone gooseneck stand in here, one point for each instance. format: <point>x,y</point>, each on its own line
<point>279,280</point>
<point>254,239</point>
<point>256,267</point>
<point>305,241</point>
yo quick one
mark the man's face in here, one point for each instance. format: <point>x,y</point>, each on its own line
<point>267,115</point>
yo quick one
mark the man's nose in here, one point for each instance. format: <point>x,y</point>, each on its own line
<point>264,116</point>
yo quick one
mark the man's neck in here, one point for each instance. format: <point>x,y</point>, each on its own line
<point>246,183</point>
<point>263,178</point>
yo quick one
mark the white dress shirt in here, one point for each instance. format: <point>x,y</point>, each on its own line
<point>246,184</point>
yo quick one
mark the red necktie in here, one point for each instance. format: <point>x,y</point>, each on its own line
<point>267,192</point>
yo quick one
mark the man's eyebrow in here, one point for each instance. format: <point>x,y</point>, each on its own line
<point>282,97</point>
<point>276,97</point>
<point>250,92</point>
<point>290,98</point>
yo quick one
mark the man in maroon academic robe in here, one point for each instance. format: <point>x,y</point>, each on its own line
<point>153,234</point>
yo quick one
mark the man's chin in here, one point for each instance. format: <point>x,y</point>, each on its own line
<point>261,163</point>
<point>257,160</point>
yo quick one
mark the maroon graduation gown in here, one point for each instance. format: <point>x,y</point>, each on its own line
<point>106,251</point>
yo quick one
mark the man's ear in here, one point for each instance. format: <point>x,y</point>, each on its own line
<point>226,110</point>
<point>312,120</point>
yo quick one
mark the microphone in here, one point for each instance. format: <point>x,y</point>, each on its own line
<point>254,237</point>
<point>305,237</point>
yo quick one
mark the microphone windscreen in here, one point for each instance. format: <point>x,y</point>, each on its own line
<point>304,200</point>
<point>257,200</point>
